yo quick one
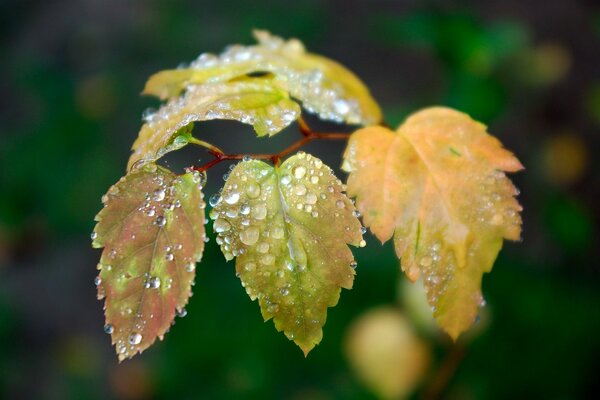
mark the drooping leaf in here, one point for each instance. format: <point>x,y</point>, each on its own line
<point>322,85</point>
<point>152,231</point>
<point>438,185</point>
<point>289,228</point>
<point>260,102</point>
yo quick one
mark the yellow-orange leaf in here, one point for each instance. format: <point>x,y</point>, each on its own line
<point>438,185</point>
<point>324,86</point>
<point>260,102</point>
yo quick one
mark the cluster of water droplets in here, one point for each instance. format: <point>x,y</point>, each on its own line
<point>495,206</point>
<point>319,94</point>
<point>258,216</point>
<point>170,202</point>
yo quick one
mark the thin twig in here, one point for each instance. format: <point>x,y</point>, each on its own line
<point>308,135</point>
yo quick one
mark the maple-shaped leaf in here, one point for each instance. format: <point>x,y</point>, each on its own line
<point>261,102</point>
<point>438,185</point>
<point>152,231</point>
<point>289,228</point>
<point>322,85</point>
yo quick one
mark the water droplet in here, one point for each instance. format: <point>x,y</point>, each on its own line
<point>340,204</point>
<point>314,179</point>
<point>135,339</point>
<point>94,235</point>
<point>353,264</point>
<point>245,209</point>
<point>153,283</point>
<point>181,312</point>
<point>221,225</point>
<point>363,230</point>
<point>160,221</point>
<point>214,200</point>
<point>260,211</point>
<point>362,243</point>
<point>108,328</point>
<point>426,261</point>
<point>311,198</point>
<point>232,198</point>
<point>277,233</point>
<point>159,195</point>
<point>190,267</point>
<point>300,189</point>
<point>97,281</point>
<point>299,172</point>
<point>249,236</point>
<point>263,247</point>
<point>286,179</point>
<point>253,190</point>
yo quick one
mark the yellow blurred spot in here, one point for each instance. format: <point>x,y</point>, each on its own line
<point>544,64</point>
<point>385,353</point>
<point>552,61</point>
<point>564,158</point>
<point>96,97</point>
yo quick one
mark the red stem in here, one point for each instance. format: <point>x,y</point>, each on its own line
<point>307,136</point>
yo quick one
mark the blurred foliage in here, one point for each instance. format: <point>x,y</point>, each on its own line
<point>70,79</point>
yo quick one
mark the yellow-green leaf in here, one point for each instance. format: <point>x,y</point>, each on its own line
<point>152,231</point>
<point>438,185</point>
<point>322,85</point>
<point>260,102</point>
<point>289,228</point>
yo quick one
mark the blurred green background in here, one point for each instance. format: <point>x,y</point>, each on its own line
<point>71,73</point>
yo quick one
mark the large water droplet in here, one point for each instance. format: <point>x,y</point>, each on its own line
<point>214,200</point>
<point>259,211</point>
<point>232,198</point>
<point>300,189</point>
<point>159,195</point>
<point>135,338</point>
<point>108,328</point>
<point>221,225</point>
<point>153,283</point>
<point>286,179</point>
<point>253,190</point>
<point>299,172</point>
<point>249,236</point>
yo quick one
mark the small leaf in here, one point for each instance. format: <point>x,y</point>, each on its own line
<point>437,184</point>
<point>260,102</point>
<point>289,228</point>
<point>152,231</point>
<point>322,85</point>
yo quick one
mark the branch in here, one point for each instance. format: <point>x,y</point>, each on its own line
<point>308,135</point>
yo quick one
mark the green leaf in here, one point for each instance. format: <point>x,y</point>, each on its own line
<point>152,231</point>
<point>261,102</point>
<point>322,85</point>
<point>289,228</point>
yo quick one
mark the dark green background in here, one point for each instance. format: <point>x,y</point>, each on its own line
<point>70,75</point>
